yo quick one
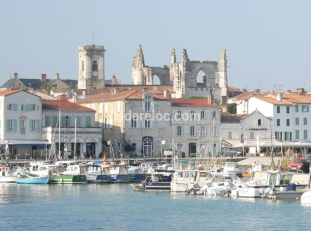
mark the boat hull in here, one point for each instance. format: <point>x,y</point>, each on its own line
<point>156,186</point>
<point>7,179</point>
<point>137,177</point>
<point>120,178</point>
<point>98,179</point>
<point>33,180</point>
<point>68,179</point>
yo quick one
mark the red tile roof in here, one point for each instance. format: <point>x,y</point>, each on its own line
<point>8,92</point>
<point>288,98</point>
<point>63,106</point>
<point>128,94</point>
<point>193,103</point>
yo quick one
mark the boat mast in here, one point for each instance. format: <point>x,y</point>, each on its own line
<point>74,150</point>
<point>59,120</point>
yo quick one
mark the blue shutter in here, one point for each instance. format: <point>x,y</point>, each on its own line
<point>47,121</point>
<point>78,121</point>
<point>15,107</point>
<point>30,125</point>
<point>38,125</point>
<point>7,125</point>
<point>69,121</point>
<point>54,121</point>
<point>15,125</point>
<point>63,121</point>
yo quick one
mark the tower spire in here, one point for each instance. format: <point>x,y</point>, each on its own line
<point>173,56</point>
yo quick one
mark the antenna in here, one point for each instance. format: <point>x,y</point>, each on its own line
<point>278,87</point>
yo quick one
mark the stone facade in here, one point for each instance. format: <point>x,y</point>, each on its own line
<point>183,76</point>
<point>91,67</point>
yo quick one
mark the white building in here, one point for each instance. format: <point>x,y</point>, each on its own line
<point>20,123</point>
<point>195,127</point>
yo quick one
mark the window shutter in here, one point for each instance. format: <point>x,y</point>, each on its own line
<point>15,107</point>
<point>38,126</point>
<point>63,123</point>
<point>69,121</point>
<point>78,121</point>
<point>7,125</point>
<point>143,105</point>
<point>30,125</point>
<point>15,125</point>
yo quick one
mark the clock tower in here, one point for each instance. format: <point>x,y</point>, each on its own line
<point>91,67</point>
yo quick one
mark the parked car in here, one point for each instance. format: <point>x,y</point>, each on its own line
<point>299,165</point>
<point>228,151</point>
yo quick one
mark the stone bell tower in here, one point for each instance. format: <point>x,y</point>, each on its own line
<point>91,67</point>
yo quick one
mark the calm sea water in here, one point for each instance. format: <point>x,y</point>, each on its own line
<point>117,207</point>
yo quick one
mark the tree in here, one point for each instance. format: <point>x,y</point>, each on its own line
<point>231,108</point>
<point>128,147</point>
<point>46,87</point>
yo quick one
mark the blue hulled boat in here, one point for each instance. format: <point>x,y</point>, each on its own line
<point>32,180</point>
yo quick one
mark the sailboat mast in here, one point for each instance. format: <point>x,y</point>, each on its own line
<point>59,133</point>
<point>74,152</point>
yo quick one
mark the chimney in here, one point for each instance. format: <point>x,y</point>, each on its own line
<point>257,90</point>
<point>57,76</point>
<point>288,91</point>
<point>43,78</point>
<point>145,89</point>
<point>15,75</point>
<point>115,90</point>
<point>279,96</point>
<point>62,98</point>
<point>300,91</point>
<point>83,93</point>
<point>166,94</point>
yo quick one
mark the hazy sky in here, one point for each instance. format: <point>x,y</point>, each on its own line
<point>267,42</point>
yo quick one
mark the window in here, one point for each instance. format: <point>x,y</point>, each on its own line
<point>178,114</point>
<point>296,134</point>
<point>296,121</point>
<point>33,125</point>
<point>259,122</point>
<point>134,122</point>
<point>10,106</point>
<point>278,122</point>
<point>229,135</point>
<point>48,121</point>
<point>147,122</point>
<point>202,114</point>
<point>147,106</point>
<point>252,135</point>
<point>133,147</point>
<point>192,130</point>
<point>296,108</point>
<point>88,121</point>
<point>78,121</point>
<point>305,121</point>
<point>287,122</point>
<point>179,131</point>
<point>10,125</point>
<point>202,131</point>
<point>277,109</point>
<point>22,107</point>
<point>191,115</point>
<point>214,114</point>
<point>305,134</point>
<point>305,108</point>
<point>22,126</point>
<point>287,109</point>
<point>33,107</point>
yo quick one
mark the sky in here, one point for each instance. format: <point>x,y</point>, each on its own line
<point>267,42</point>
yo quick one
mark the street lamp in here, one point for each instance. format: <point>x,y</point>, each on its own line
<point>162,143</point>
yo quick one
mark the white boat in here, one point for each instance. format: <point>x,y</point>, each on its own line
<point>7,174</point>
<point>183,179</point>
<point>232,168</point>
<point>153,182</point>
<point>97,174</point>
<point>216,188</point>
<point>306,197</point>
<point>249,189</point>
<point>119,174</point>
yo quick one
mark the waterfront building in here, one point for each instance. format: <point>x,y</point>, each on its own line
<point>71,128</point>
<point>20,124</point>
<point>195,127</point>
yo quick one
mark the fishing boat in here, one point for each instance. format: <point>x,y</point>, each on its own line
<point>97,174</point>
<point>136,174</point>
<point>32,180</point>
<point>183,179</point>
<point>153,182</point>
<point>7,174</point>
<point>119,174</point>
<point>56,176</point>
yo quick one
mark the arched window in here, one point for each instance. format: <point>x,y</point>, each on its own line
<point>259,122</point>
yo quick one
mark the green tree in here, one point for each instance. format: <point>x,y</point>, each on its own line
<point>46,87</point>
<point>231,108</point>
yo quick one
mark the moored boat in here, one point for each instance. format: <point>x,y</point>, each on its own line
<point>7,174</point>
<point>153,182</point>
<point>32,180</point>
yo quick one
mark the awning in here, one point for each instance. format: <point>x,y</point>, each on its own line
<point>78,140</point>
<point>28,143</point>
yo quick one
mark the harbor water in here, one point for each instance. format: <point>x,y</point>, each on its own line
<point>117,207</point>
